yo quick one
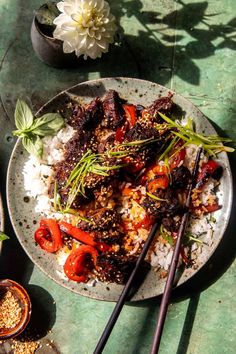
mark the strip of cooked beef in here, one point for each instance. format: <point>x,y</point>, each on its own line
<point>105,223</point>
<point>76,147</point>
<point>151,114</point>
<point>76,114</point>
<point>87,119</point>
<point>84,121</point>
<point>74,150</point>
<point>139,132</point>
<point>163,105</point>
<point>111,236</point>
<point>93,181</point>
<point>114,267</point>
<point>170,205</point>
<point>146,152</point>
<point>103,194</point>
<point>105,138</point>
<point>104,218</point>
<point>180,177</point>
<point>114,115</point>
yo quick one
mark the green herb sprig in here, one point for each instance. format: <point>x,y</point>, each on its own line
<point>168,149</point>
<point>190,237</point>
<point>126,149</point>
<point>94,163</point>
<point>155,197</point>
<point>89,163</point>
<point>3,236</point>
<point>212,144</point>
<point>166,235</point>
<point>31,129</point>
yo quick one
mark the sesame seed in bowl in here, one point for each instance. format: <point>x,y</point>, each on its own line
<point>15,309</point>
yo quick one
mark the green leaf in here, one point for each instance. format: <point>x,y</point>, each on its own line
<point>33,145</point>
<point>166,236</point>
<point>3,236</point>
<point>48,124</point>
<point>47,13</point>
<point>23,115</point>
<point>20,133</point>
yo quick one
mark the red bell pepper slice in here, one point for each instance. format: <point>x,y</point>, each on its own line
<point>83,236</point>
<point>103,247</point>
<point>160,170</point>
<point>159,182</point>
<point>127,226</point>
<point>131,114</point>
<point>120,134</point>
<point>177,158</point>
<point>212,208</point>
<point>152,171</point>
<point>77,233</point>
<point>75,266</point>
<point>145,223</point>
<point>48,235</point>
<point>205,209</point>
<point>208,169</point>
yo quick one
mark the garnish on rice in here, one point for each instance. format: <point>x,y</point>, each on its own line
<point>31,129</point>
<point>123,167</point>
<point>212,144</point>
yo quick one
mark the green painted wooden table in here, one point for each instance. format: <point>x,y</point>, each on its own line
<point>188,46</point>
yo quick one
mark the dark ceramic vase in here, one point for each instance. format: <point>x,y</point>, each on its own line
<point>50,50</point>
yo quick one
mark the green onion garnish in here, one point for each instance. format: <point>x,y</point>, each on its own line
<point>212,144</point>
<point>156,198</point>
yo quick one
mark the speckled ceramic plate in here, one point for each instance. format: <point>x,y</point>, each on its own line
<point>1,220</point>
<point>24,218</point>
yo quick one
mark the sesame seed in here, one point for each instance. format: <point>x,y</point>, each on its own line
<point>10,311</point>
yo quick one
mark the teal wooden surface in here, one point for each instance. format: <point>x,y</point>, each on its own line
<point>188,46</point>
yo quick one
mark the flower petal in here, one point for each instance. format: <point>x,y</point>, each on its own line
<point>85,26</point>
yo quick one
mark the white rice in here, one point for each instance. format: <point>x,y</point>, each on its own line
<point>38,173</point>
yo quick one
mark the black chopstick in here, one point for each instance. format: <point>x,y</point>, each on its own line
<point>174,262</point>
<point>123,297</point>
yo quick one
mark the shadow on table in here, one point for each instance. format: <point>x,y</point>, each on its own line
<point>160,50</point>
<point>157,51</point>
<point>44,311</point>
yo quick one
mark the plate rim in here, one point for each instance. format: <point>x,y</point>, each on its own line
<point>18,142</point>
<point>2,219</point>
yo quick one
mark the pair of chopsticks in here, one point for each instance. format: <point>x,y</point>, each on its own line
<point>169,283</point>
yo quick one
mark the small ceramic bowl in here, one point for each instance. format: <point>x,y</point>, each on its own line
<point>24,307</point>
<point>50,50</point>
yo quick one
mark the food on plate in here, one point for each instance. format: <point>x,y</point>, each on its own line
<point>113,170</point>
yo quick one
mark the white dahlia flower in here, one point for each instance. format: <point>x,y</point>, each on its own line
<point>85,26</point>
